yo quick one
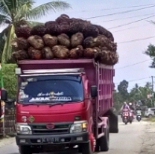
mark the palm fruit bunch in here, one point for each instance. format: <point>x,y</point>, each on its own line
<point>65,38</point>
<point>22,29</point>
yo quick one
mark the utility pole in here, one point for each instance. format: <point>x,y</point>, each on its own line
<point>152,98</point>
<point>152,77</point>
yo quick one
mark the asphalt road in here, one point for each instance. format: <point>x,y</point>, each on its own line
<point>128,141</point>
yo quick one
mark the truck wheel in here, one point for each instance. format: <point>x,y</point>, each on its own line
<point>25,150</point>
<point>86,148</point>
<point>104,141</point>
<point>113,120</point>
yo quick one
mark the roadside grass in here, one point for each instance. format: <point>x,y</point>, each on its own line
<point>152,119</point>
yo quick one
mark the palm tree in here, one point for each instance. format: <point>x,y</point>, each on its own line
<point>13,11</point>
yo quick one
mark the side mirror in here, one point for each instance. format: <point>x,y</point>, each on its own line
<point>4,95</point>
<point>10,102</point>
<point>93,91</point>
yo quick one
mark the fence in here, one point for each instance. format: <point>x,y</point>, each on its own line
<point>7,118</point>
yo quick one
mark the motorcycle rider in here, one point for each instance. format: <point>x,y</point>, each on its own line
<point>132,110</point>
<point>125,107</point>
<point>131,106</point>
<point>138,113</point>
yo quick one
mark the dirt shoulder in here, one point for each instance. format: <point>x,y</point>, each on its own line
<point>148,140</point>
<point>6,141</point>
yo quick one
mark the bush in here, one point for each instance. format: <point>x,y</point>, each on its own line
<point>10,79</point>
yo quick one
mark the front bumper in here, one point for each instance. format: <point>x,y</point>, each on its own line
<point>52,139</point>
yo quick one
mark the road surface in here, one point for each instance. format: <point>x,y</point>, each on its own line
<point>128,141</point>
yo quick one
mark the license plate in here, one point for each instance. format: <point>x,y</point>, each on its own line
<point>51,140</point>
<point>125,114</point>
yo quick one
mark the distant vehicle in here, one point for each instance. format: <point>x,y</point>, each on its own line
<point>138,115</point>
<point>150,112</point>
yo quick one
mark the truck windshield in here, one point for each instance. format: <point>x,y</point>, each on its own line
<point>46,89</point>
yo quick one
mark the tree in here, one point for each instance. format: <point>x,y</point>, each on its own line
<point>118,100</point>
<point>10,79</point>
<point>139,93</point>
<point>2,41</point>
<point>151,53</point>
<point>123,89</point>
<point>121,95</point>
<point>13,11</point>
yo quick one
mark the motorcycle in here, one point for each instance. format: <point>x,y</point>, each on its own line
<point>125,116</point>
<point>139,115</point>
<point>131,116</point>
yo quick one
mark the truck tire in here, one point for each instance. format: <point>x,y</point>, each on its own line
<point>86,148</point>
<point>25,150</point>
<point>113,121</point>
<point>104,141</point>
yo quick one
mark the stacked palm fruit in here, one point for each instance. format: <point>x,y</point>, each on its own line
<point>64,38</point>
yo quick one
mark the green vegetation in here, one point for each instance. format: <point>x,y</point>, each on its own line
<point>10,79</point>
<point>151,53</point>
<point>137,93</point>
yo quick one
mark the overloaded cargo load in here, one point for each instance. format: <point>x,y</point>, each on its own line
<point>65,38</point>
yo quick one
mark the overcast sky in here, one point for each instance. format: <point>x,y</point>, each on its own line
<point>128,21</point>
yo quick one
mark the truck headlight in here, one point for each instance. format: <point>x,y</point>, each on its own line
<point>23,128</point>
<point>78,127</point>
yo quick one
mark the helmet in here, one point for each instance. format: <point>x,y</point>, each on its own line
<point>130,103</point>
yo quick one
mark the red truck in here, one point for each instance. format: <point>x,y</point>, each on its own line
<point>64,105</point>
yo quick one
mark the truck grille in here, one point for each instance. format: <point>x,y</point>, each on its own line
<point>58,129</point>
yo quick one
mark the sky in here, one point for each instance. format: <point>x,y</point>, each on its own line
<point>128,21</point>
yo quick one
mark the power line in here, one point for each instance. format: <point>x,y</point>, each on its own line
<point>107,9</point>
<point>130,28</point>
<point>125,18</point>
<point>132,22</point>
<point>122,7</point>
<point>133,64</point>
<point>110,14</point>
<point>137,40</point>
